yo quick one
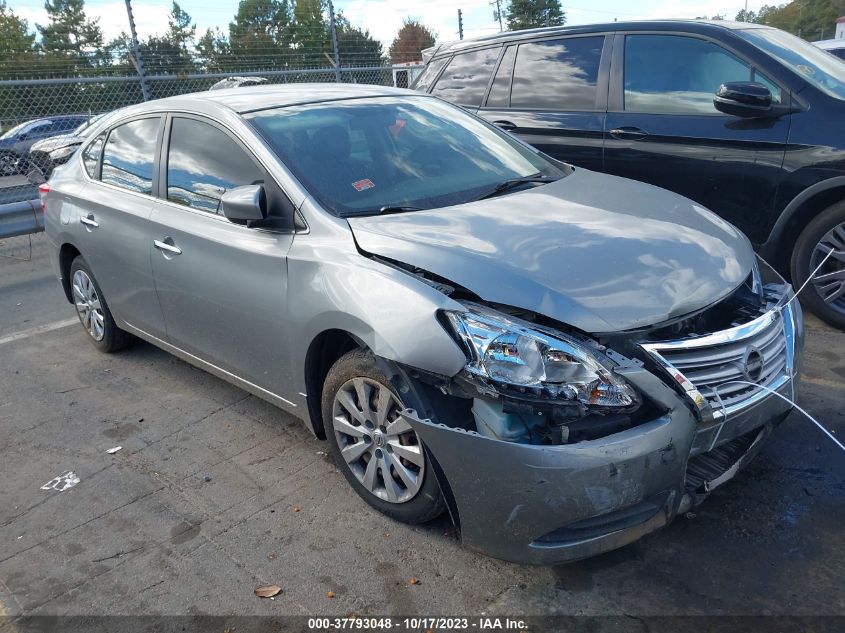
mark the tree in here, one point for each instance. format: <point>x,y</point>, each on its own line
<point>410,41</point>
<point>312,39</point>
<point>180,30</point>
<point>356,47</point>
<point>810,19</point>
<point>69,32</point>
<point>15,39</point>
<point>261,33</point>
<point>213,51</point>
<point>529,14</point>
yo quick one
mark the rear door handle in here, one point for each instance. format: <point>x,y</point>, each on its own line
<point>505,125</point>
<point>89,220</point>
<point>629,133</point>
<point>169,248</point>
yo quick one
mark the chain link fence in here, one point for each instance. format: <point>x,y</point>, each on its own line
<point>54,82</point>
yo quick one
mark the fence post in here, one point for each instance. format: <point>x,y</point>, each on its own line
<point>333,27</point>
<point>136,52</point>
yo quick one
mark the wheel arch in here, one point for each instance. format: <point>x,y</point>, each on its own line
<point>796,216</point>
<point>323,352</point>
<point>67,253</point>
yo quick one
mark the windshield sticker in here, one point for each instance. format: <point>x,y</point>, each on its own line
<point>361,185</point>
<point>396,128</point>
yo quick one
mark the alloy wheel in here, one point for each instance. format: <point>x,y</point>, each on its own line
<point>8,165</point>
<point>377,444</point>
<point>829,280</point>
<point>88,305</point>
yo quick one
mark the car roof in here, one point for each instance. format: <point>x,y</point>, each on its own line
<point>692,26</point>
<point>830,45</point>
<point>265,96</point>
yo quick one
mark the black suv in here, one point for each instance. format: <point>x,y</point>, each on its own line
<point>746,120</point>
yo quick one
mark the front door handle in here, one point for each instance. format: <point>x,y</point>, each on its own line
<point>89,220</point>
<point>171,249</point>
<point>507,126</point>
<point>629,133</point>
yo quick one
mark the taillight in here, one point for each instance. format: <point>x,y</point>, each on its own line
<point>43,190</point>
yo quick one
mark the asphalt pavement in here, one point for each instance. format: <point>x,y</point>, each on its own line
<point>215,492</point>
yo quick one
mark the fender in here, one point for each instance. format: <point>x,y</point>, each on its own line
<point>769,249</point>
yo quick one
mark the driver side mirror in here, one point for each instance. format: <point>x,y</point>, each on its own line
<point>244,204</point>
<point>744,99</point>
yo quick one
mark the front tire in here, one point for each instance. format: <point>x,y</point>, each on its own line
<point>93,311</point>
<point>375,449</point>
<point>825,294</point>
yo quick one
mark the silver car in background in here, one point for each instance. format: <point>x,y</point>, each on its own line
<point>565,360</point>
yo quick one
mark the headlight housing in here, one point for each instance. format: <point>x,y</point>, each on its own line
<point>62,152</point>
<point>520,356</point>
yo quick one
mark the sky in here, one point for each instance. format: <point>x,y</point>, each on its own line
<point>383,18</point>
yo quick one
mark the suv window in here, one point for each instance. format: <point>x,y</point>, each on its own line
<point>91,156</point>
<point>129,155</point>
<point>557,74</point>
<point>465,79</point>
<point>203,163</point>
<point>430,73</point>
<point>500,91</point>
<point>673,74</point>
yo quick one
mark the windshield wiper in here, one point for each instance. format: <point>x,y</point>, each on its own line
<point>385,210</point>
<point>513,183</point>
<point>397,208</point>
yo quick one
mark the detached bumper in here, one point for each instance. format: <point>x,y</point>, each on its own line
<point>552,504</point>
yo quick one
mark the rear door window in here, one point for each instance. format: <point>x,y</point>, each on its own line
<point>129,155</point>
<point>560,74</point>
<point>203,163</point>
<point>466,77</point>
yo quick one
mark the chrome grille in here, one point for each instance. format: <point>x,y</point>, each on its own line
<point>712,363</point>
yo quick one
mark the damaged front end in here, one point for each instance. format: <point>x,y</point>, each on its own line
<point>569,445</point>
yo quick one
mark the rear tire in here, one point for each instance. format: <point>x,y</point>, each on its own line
<point>824,296</point>
<point>93,311</point>
<point>378,453</point>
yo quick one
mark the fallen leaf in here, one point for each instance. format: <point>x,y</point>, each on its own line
<point>330,594</point>
<point>296,508</point>
<point>268,591</point>
<point>413,581</point>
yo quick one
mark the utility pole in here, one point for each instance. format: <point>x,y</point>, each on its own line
<point>460,24</point>
<point>136,52</point>
<point>497,13</point>
<point>333,27</point>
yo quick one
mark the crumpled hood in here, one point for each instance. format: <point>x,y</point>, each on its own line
<point>56,142</point>
<point>601,253</point>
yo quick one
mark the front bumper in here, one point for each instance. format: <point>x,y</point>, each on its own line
<point>551,504</point>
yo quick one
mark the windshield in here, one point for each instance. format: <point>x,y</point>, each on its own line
<point>360,156</point>
<point>19,128</point>
<point>818,67</point>
<point>85,129</point>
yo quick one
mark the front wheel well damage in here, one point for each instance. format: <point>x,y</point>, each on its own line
<point>67,254</point>
<point>324,351</point>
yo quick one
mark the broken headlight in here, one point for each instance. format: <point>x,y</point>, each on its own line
<point>517,354</point>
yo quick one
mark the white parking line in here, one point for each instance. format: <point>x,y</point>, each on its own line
<point>41,329</point>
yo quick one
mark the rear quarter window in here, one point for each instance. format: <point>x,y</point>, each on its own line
<point>466,77</point>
